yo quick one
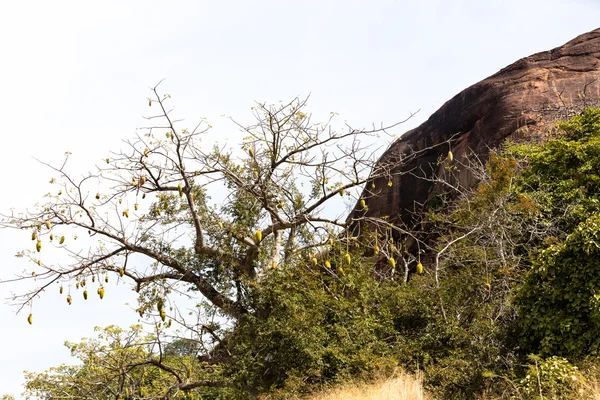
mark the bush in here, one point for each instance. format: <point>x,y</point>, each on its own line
<point>314,328</point>
<point>550,378</point>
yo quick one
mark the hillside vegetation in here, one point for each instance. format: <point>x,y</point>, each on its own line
<point>502,299</point>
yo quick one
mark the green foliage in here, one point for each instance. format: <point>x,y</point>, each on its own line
<point>558,301</point>
<point>517,265</point>
<point>120,364</point>
<point>551,378</point>
<point>564,173</point>
<point>560,298</point>
<point>314,327</point>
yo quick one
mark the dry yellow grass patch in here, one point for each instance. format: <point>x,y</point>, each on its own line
<point>591,389</point>
<point>401,387</point>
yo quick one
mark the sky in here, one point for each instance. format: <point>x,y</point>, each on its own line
<point>75,76</point>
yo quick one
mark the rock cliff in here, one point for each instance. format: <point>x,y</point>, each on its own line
<point>520,101</point>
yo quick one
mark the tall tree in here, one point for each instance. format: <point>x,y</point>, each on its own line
<point>211,222</point>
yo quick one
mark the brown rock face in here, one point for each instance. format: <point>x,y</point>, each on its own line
<point>521,102</point>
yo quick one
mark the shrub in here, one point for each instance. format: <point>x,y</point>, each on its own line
<point>550,378</point>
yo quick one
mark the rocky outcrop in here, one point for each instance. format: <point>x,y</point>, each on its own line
<point>521,101</point>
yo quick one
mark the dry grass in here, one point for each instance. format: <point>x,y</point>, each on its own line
<point>401,387</point>
<point>591,389</point>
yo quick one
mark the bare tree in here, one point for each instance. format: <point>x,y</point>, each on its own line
<point>168,214</point>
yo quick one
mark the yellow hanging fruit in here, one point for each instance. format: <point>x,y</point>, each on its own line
<point>158,211</point>
<point>106,279</point>
<point>220,225</point>
<point>163,314</point>
<point>85,294</point>
<point>60,290</point>
<point>126,213</point>
<point>390,183</point>
<point>141,312</point>
<point>145,152</point>
<point>488,286</point>
<point>38,246</point>
<point>419,268</point>
<point>121,272</point>
<point>39,262</point>
<point>392,263</point>
<point>62,239</point>
<point>142,180</point>
<point>376,249</point>
<point>77,285</point>
<point>135,206</point>
<point>108,160</point>
<point>69,299</point>
<point>347,258</point>
<point>93,278</point>
<point>314,261</point>
<point>97,196</point>
<point>251,152</point>
<point>30,319</point>
<point>450,156</point>
<point>33,235</point>
<point>143,196</point>
<point>258,235</point>
<point>48,224</point>
<point>341,192</point>
<point>328,264</point>
<point>83,282</point>
<point>51,237</point>
<point>341,271</point>
<point>101,292</point>
<point>180,189</point>
<point>373,185</point>
<point>363,204</point>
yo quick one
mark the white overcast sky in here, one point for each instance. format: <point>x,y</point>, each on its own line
<point>74,76</point>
